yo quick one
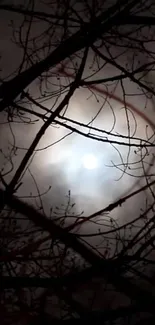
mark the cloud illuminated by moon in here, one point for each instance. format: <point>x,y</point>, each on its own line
<point>89,161</point>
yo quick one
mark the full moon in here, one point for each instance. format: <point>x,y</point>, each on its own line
<point>89,161</point>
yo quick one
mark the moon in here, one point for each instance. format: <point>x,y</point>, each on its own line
<point>89,161</point>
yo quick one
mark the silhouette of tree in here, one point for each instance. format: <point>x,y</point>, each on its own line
<point>59,264</point>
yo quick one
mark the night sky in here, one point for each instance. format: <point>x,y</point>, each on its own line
<point>101,146</point>
<point>63,165</point>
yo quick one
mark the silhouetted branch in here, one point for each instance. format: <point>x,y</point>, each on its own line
<point>81,39</point>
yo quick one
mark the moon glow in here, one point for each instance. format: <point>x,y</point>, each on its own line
<point>89,161</point>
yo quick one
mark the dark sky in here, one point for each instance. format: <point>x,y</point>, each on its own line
<point>73,173</point>
<point>63,165</point>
